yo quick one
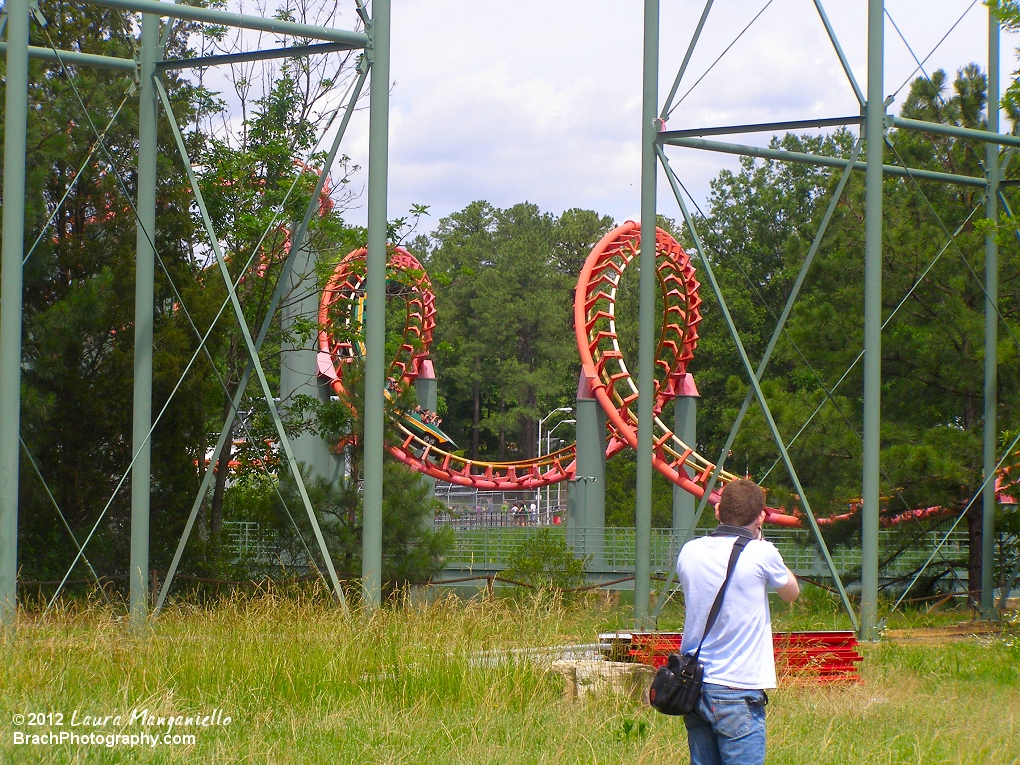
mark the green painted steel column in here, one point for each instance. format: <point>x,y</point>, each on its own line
<point>375,302</point>
<point>141,417</point>
<point>685,425</point>
<point>874,133</point>
<point>988,610</point>
<point>646,316</point>
<point>15,126</point>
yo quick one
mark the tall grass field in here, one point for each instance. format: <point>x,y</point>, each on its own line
<point>289,678</point>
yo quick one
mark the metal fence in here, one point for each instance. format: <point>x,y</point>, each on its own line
<point>456,496</point>
<point>249,543</point>
<point>485,541</point>
<point>500,517</point>
<point>612,549</point>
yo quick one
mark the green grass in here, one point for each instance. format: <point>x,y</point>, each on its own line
<point>304,684</point>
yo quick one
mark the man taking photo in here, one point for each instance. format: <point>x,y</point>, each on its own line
<point>728,725</point>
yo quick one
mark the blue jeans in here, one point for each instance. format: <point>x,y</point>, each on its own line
<point>727,727</point>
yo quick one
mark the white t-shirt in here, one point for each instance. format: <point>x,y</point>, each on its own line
<point>738,650</point>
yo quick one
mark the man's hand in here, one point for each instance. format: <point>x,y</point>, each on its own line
<point>790,591</point>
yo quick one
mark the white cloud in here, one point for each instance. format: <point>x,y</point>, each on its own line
<point>540,101</point>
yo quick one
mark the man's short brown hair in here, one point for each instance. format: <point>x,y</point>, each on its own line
<point>741,503</point>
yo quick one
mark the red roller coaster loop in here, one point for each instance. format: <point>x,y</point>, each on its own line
<point>602,361</point>
<point>417,450</point>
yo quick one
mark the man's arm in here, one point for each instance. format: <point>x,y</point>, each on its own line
<point>790,591</point>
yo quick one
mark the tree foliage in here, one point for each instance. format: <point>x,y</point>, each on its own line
<point>412,551</point>
<point>504,344</point>
<point>79,297</point>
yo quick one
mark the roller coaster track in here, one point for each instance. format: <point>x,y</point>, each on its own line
<point>603,365</point>
<point>604,371</point>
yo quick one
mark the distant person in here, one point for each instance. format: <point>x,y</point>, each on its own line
<point>728,725</point>
<point>533,514</point>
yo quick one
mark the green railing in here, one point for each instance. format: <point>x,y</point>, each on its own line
<point>612,549</point>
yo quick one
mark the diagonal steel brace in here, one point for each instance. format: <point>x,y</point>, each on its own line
<point>263,331</point>
<point>766,357</point>
<point>249,342</point>
<point>839,52</point>
<point>666,107</point>
<point>759,394</point>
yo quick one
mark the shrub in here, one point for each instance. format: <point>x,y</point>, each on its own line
<point>545,561</point>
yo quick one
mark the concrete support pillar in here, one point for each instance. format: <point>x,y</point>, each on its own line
<point>575,497</point>
<point>427,389</point>
<point>588,519</point>
<point>299,374</point>
<point>686,427</point>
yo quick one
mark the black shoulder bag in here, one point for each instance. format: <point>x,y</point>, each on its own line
<point>676,687</point>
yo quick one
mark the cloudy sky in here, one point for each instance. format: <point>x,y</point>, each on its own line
<point>514,100</point>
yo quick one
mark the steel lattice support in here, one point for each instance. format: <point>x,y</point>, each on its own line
<point>377,44</point>
<point>780,326</point>
<point>18,53</point>
<point>874,121</point>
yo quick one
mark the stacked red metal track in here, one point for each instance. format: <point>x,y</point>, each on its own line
<point>801,657</point>
<point>339,309</point>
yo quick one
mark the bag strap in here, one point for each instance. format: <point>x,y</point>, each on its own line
<point>724,530</point>
<point>738,547</point>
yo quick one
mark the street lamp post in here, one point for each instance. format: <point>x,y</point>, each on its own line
<point>540,423</point>
<point>548,498</point>
<point>548,450</point>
